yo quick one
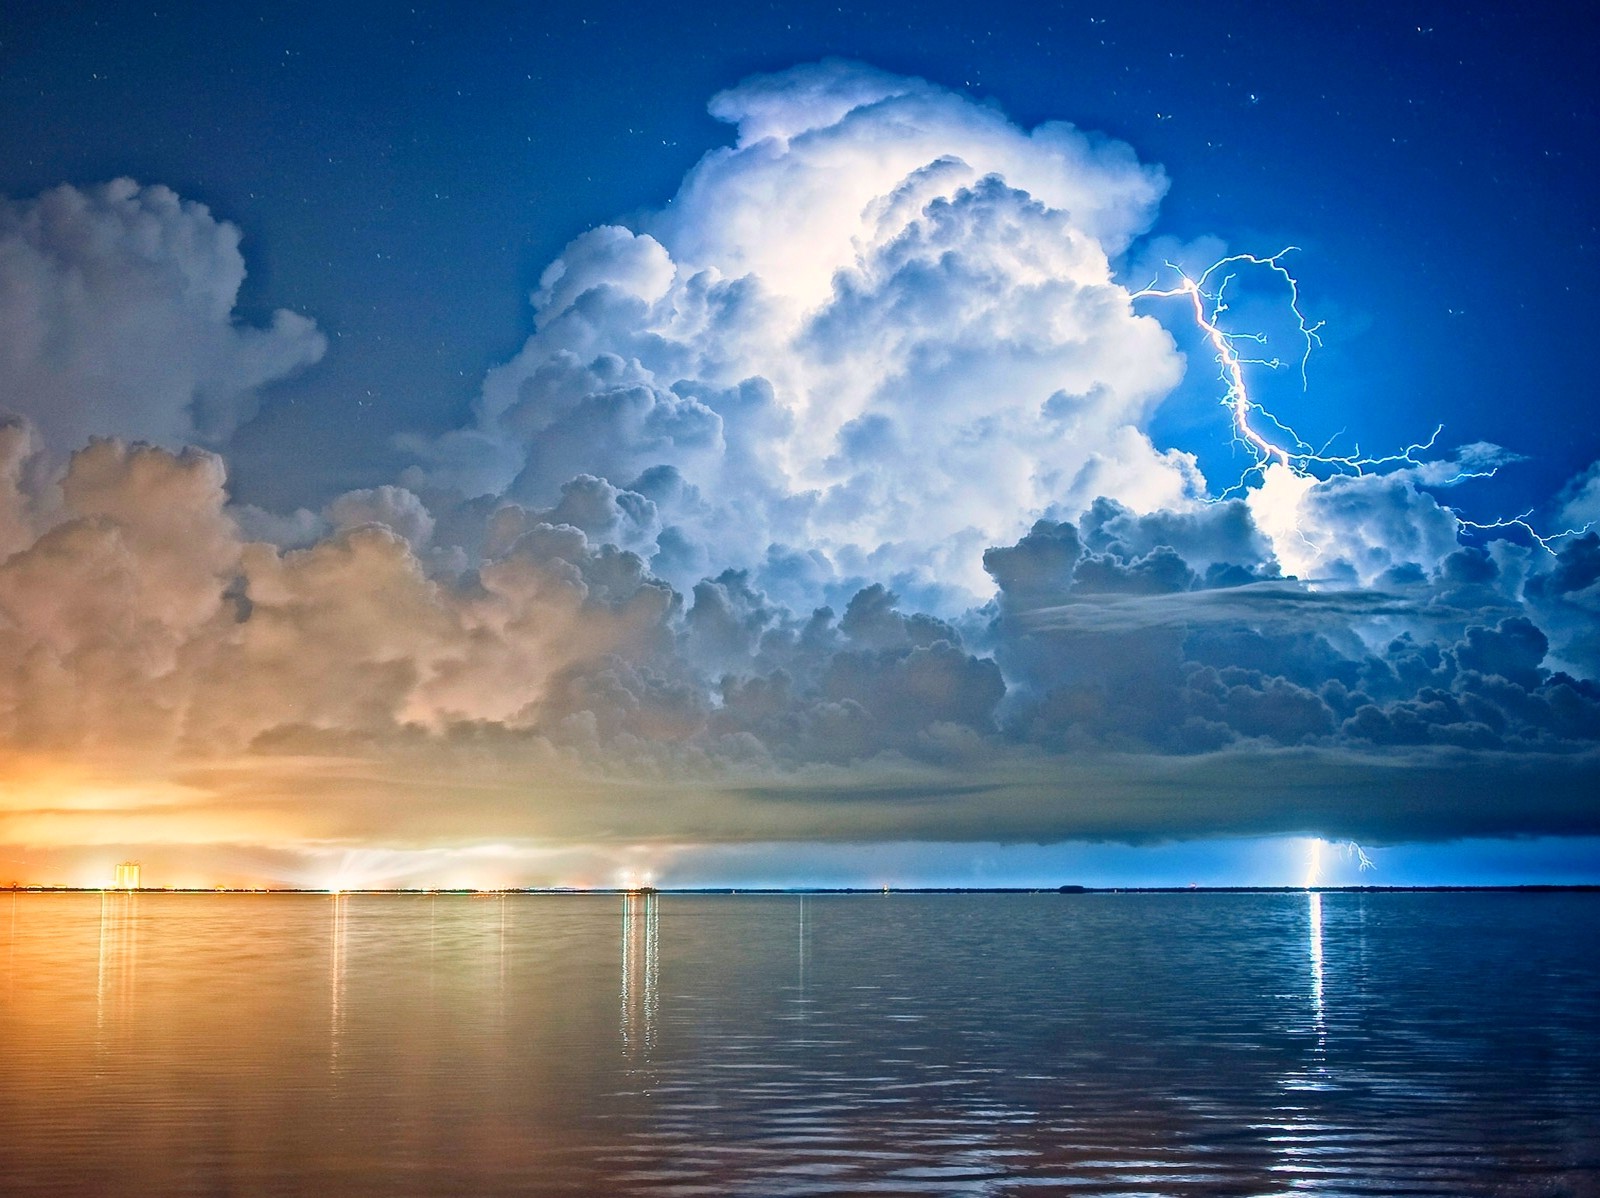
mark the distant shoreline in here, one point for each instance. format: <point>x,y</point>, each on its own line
<point>1527,888</point>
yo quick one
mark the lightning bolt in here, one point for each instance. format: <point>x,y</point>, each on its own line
<point>1313,864</point>
<point>1268,439</point>
<point>1351,850</point>
<point>1545,541</point>
<point>1209,306</point>
<point>1357,854</point>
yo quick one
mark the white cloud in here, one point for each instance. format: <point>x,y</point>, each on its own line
<point>394,508</point>
<point>1580,499</point>
<point>116,318</point>
<point>882,325</point>
<point>1351,528</point>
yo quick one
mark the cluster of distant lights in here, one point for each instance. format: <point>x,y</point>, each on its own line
<point>1316,864</point>
<point>1264,436</point>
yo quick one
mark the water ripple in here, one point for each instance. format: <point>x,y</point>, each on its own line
<point>922,1045</point>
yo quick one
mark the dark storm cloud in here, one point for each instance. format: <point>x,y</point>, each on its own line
<point>1186,667</point>
<point>1111,689</point>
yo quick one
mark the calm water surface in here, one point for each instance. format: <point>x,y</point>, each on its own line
<point>1442,1044</point>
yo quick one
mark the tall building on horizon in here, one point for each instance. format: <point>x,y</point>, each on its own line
<point>127,876</point>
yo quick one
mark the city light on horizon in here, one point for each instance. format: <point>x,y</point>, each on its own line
<point>1248,862</point>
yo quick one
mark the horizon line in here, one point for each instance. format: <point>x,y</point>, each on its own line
<point>1515,887</point>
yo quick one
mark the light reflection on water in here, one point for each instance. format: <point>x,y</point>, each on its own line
<point>1332,1044</point>
<point>117,963</point>
<point>1314,936</point>
<point>641,957</point>
<point>339,905</point>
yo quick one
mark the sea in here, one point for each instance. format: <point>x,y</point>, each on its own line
<point>1341,1043</point>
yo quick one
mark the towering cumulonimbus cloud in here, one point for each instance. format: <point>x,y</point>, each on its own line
<point>881,327</point>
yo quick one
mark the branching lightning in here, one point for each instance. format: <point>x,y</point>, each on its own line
<point>1351,850</point>
<point>1545,541</point>
<point>1209,306</point>
<point>1268,439</point>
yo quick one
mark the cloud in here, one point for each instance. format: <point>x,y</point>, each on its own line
<point>1134,651</point>
<point>1580,499</point>
<point>394,508</point>
<point>20,482</point>
<point>1565,599</point>
<point>819,505</point>
<point>1352,527</point>
<point>348,690</point>
<point>117,318</point>
<point>881,327</point>
<point>138,617</point>
<point>101,609</point>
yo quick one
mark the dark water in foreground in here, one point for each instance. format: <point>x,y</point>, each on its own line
<point>765,1045</point>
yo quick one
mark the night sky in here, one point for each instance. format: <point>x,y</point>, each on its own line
<point>719,445</point>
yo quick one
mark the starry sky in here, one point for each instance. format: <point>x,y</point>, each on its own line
<point>719,445</point>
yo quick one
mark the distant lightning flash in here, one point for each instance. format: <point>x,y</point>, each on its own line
<point>1313,863</point>
<point>1351,850</point>
<point>1255,427</point>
